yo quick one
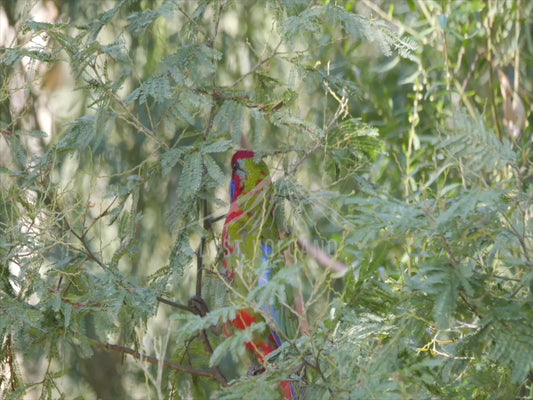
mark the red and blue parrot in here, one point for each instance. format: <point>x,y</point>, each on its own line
<point>249,232</point>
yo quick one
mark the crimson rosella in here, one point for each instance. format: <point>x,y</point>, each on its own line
<point>248,235</point>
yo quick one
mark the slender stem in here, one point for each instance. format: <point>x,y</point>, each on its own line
<point>153,360</point>
<point>516,83</point>
<point>256,66</point>
<point>176,305</point>
<point>10,360</point>
<point>88,250</point>
<point>209,126</point>
<point>382,14</point>
<point>490,53</point>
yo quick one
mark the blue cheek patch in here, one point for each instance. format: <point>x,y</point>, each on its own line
<point>232,190</point>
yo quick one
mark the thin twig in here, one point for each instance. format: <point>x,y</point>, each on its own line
<point>201,308</point>
<point>133,121</point>
<point>10,360</point>
<point>176,305</point>
<point>153,360</point>
<point>102,214</point>
<point>490,53</point>
<point>197,26</point>
<point>85,245</point>
<point>211,42</point>
<point>386,16</point>
<point>256,66</point>
<point>209,126</point>
<point>201,249</point>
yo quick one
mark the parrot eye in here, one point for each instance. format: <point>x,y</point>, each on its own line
<point>236,166</point>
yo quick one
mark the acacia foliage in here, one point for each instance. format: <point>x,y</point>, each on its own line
<point>385,126</point>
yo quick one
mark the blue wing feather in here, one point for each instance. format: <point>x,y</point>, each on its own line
<point>263,279</point>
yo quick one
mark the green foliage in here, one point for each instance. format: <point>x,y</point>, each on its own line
<point>387,130</point>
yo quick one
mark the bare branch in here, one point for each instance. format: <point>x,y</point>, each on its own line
<point>176,305</point>
<point>153,360</point>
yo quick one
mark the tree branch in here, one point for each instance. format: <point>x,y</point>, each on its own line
<point>167,364</point>
<point>256,66</point>
<point>201,249</point>
<point>83,241</point>
<point>176,305</point>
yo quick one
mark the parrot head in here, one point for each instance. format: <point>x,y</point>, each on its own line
<point>247,174</point>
